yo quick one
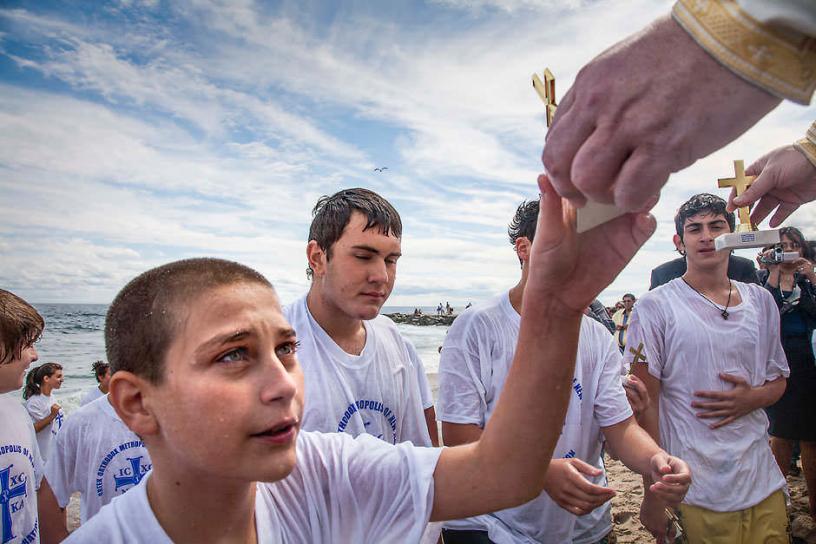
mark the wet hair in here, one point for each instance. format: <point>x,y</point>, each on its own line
<point>100,368</point>
<point>332,213</point>
<point>35,376</point>
<point>20,326</point>
<point>524,222</point>
<point>796,235</point>
<point>147,313</point>
<point>702,203</point>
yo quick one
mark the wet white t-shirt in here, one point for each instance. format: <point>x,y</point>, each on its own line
<point>21,472</point>
<point>687,345</point>
<point>474,363</point>
<point>91,395</point>
<point>342,490</point>
<point>376,392</point>
<point>39,407</point>
<point>96,454</point>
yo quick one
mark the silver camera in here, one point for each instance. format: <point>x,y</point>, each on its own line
<point>779,256</point>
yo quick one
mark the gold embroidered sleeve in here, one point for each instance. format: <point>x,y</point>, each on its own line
<point>780,60</point>
<point>807,145</point>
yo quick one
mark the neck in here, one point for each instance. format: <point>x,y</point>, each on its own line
<point>708,280</point>
<point>348,332</point>
<point>182,503</point>
<point>45,389</point>
<point>517,292</point>
<point>103,389</point>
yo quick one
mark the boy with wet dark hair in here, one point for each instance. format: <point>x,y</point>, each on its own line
<point>24,517</point>
<point>219,406</point>
<point>362,375</point>
<point>710,356</point>
<point>101,371</point>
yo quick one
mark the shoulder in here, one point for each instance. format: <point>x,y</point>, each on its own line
<point>669,267</point>
<point>756,293</point>
<point>742,262</point>
<point>481,316</point>
<point>127,518</point>
<point>295,310</point>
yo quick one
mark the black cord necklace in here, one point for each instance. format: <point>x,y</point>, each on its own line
<point>723,311</point>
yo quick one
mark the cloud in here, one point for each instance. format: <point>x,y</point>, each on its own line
<point>164,131</point>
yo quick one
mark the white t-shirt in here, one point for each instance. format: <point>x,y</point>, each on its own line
<point>91,395</point>
<point>96,454</point>
<point>342,490</point>
<point>39,407</point>
<point>20,473</point>
<point>376,392</point>
<point>474,363</point>
<point>688,344</point>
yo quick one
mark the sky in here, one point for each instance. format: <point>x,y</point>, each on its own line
<point>136,133</point>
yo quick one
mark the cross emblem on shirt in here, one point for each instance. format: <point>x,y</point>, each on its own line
<point>135,476</point>
<point>7,493</point>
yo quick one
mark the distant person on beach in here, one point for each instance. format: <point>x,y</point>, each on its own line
<point>475,361</point>
<point>46,415</point>
<point>205,371</point>
<point>28,510</point>
<point>101,371</point>
<point>708,349</point>
<point>599,313</point>
<point>621,319</point>
<point>361,374</point>
<point>439,309</point>
<point>96,455</point>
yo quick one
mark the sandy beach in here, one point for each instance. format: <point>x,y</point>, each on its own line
<point>626,504</point>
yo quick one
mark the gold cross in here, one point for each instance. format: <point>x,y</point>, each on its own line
<point>546,91</point>
<point>639,356</point>
<point>740,183</point>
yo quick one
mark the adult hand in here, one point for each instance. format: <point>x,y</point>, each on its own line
<point>636,393</point>
<point>566,484</point>
<point>648,106</point>
<point>55,408</point>
<point>727,405</point>
<point>653,518</point>
<point>806,268</point>
<point>560,257</point>
<point>671,477</point>
<point>786,179</point>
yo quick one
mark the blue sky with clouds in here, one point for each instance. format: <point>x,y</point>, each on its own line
<point>139,132</point>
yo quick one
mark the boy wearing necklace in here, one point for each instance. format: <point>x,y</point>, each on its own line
<point>714,360</point>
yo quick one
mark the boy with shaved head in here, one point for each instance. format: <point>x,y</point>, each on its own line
<point>205,371</point>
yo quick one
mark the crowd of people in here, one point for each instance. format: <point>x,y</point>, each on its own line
<point>224,417</point>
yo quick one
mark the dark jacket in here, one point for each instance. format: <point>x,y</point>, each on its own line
<point>807,298</point>
<point>739,269</point>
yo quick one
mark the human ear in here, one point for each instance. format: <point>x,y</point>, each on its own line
<point>678,244</point>
<point>130,395</point>
<point>316,257</point>
<point>522,246</point>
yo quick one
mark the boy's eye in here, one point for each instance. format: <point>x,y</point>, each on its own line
<point>391,261</point>
<point>233,356</point>
<point>288,348</point>
<point>363,257</point>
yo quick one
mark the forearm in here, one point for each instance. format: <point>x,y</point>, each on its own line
<point>768,393</point>
<point>41,424</point>
<point>522,432</point>
<point>535,397</point>
<point>52,518</point>
<point>633,445</point>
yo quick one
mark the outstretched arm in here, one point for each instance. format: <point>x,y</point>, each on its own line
<point>523,430</point>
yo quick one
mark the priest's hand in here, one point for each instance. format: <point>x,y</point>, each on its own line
<point>786,179</point>
<point>568,487</point>
<point>650,105</point>
<point>571,269</point>
<point>636,394</point>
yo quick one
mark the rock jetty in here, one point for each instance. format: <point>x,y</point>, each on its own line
<point>424,320</point>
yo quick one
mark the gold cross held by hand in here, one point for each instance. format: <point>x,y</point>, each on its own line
<point>546,91</point>
<point>640,357</point>
<point>740,183</point>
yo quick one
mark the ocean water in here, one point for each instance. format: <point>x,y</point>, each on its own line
<point>74,337</point>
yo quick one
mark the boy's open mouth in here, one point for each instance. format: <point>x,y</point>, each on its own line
<point>281,433</point>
